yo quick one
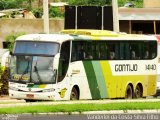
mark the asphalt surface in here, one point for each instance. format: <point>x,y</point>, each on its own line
<point>124,116</point>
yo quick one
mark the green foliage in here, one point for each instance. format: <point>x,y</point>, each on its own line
<point>10,39</point>
<point>9,4</point>
<point>4,77</point>
<point>37,12</point>
<point>55,12</point>
<point>1,71</point>
<point>137,3</point>
<point>89,2</point>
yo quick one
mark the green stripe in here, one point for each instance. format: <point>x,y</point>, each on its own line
<point>100,79</point>
<point>36,86</point>
<point>93,85</point>
<point>30,85</point>
<point>33,86</point>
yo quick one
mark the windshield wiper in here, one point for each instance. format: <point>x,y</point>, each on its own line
<point>36,70</point>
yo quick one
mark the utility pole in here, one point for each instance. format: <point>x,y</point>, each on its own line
<point>115,16</point>
<point>45,17</point>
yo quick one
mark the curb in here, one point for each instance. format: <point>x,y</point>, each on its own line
<point>104,112</point>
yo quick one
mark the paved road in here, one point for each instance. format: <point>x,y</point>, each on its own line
<point>124,116</point>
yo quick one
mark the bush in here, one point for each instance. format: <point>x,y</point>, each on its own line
<point>37,12</point>
<point>55,12</point>
<point>4,78</point>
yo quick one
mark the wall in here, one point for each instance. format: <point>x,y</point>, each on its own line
<point>8,26</point>
<point>151,3</point>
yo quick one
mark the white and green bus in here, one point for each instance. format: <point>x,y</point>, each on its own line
<point>83,64</point>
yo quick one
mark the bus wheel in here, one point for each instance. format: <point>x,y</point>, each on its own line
<point>138,91</point>
<point>129,92</point>
<point>74,94</point>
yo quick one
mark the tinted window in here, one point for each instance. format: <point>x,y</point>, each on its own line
<point>113,50</point>
<point>36,48</point>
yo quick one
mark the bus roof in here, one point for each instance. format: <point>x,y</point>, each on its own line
<point>104,34</point>
<point>91,32</point>
<point>84,34</point>
<point>45,37</point>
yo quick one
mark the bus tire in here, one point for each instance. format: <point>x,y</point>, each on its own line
<point>28,100</point>
<point>74,94</point>
<point>139,91</point>
<point>129,92</point>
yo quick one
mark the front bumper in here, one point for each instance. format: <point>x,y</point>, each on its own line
<point>31,95</point>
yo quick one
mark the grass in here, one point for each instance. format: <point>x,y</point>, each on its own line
<point>10,102</point>
<point>80,107</point>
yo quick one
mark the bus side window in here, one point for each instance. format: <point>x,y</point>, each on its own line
<point>103,52</point>
<point>153,52</point>
<point>153,55</point>
<point>103,55</point>
<point>133,55</point>
<point>112,55</point>
<point>113,51</point>
<point>135,50</point>
<point>64,60</point>
<point>73,55</point>
<point>81,53</point>
<point>146,55</point>
<point>78,52</point>
<point>88,56</point>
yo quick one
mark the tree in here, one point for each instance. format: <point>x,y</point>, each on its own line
<point>10,4</point>
<point>10,39</point>
<point>88,2</point>
<point>137,3</point>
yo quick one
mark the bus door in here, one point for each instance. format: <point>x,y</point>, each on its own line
<point>63,78</point>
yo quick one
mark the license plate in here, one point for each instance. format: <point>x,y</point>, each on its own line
<point>30,96</point>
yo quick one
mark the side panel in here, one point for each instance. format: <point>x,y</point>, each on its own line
<point>112,77</point>
<point>134,72</point>
<point>93,84</point>
<point>78,77</point>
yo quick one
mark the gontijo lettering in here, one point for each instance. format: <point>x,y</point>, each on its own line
<point>126,67</point>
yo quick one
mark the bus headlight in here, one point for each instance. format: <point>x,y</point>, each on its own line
<point>49,90</point>
<point>13,88</point>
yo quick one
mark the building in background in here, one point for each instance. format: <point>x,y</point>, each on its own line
<point>151,3</point>
<point>144,20</point>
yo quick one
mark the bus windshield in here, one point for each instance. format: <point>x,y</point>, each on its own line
<point>32,62</point>
<point>36,48</point>
<point>34,69</point>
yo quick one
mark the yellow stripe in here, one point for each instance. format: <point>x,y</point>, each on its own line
<point>106,73</point>
<point>95,38</point>
<point>42,86</point>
